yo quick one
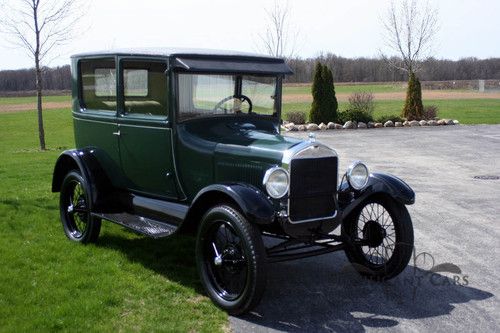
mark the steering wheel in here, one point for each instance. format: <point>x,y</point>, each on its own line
<point>241,98</point>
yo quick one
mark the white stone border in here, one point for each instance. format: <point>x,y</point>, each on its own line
<point>288,126</point>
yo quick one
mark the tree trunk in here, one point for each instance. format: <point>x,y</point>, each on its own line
<point>41,131</point>
<point>38,74</point>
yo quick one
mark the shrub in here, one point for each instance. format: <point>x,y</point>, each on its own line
<point>430,112</point>
<point>413,109</point>
<point>296,117</point>
<point>363,102</point>
<point>384,118</point>
<point>354,115</point>
<point>324,106</point>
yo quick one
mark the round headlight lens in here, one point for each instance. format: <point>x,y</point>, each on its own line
<point>276,181</point>
<point>357,175</point>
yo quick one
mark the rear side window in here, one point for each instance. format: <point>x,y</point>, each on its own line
<point>98,84</point>
<point>144,88</point>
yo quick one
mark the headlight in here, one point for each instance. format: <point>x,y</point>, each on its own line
<point>276,181</point>
<point>357,175</point>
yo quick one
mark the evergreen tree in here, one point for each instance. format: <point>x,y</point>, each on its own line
<point>324,106</point>
<point>331,103</point>
<point>318,95</point>
<point>413,109</point>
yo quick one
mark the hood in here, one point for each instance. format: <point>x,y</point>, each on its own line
<point>254,138</point>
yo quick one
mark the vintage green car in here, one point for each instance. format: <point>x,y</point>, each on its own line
<point>174,140</point>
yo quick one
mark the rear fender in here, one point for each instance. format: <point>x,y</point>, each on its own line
<point>86,162</point>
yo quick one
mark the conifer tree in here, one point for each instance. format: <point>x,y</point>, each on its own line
<point>413,108</point>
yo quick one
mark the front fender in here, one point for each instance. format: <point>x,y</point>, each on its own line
<point>378,183</point>
<point>253,203</point>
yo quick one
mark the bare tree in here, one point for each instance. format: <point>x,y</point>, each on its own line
<point>38,27</point>
<point>280,38</point>
<point>410,28</point>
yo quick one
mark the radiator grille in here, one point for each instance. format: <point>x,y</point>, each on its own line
<point>313,183</point>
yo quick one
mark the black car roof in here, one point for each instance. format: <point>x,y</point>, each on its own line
<point>204,59</point>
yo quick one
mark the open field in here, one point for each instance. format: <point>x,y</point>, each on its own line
<point>123,283</point>
<point>469,107</point>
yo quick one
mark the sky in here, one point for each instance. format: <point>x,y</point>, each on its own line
<point>468,28</point>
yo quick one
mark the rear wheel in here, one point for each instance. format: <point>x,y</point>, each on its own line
<point>384,227</point>
<point>230,257</point>
<point>74,202</point>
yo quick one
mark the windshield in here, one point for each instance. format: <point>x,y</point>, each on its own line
<point>202,95</point>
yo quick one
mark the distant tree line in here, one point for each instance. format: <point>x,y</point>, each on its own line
<point>55,78</point>
<point>344,70</point>
<point>377,70</point>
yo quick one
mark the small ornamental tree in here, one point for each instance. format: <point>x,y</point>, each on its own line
<point>318,94</point>
<point>331,104</point>
<point>413,109</point>
<point>324,106</point>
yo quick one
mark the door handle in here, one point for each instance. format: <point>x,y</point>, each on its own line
<point>117,133</point>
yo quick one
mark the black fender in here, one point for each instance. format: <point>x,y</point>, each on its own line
<point>378,183</point>
<point>86,162</point>
<point>251,201</point>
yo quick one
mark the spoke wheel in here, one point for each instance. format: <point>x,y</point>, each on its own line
<point>78,223</point>
<point>225,258</point>
<point>386,233</point>
<point>230,257</point>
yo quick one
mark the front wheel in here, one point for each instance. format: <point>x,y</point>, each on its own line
<point>230,256</point>
<point>78,223</point>
<point>382,238</point>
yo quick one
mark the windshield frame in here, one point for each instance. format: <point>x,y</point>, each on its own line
<point>238,86</point>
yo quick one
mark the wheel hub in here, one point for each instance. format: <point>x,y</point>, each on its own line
<point>373,233</point>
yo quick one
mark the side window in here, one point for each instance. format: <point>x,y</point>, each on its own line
<point>98,84</point>
<point>144,88</point>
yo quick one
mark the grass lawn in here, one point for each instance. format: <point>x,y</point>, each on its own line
<point>348,88</point>
<point>467,111</point>
<point>125,282</point>
<point>32,99</point>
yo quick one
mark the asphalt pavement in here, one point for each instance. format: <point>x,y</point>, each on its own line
<point>453,280</point>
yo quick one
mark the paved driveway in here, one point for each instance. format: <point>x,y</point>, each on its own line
<point>455,219</point>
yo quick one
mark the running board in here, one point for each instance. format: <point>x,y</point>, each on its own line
<point>142,225</point>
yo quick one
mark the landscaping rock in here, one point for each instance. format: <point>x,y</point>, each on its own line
<point>288,125</point>
<point>362,125</point>
<point>294,128</point>
<point>331,125</point>
<point>349,125</point>
<point>378,125</point>
<point>370,124</point>
<point>456,122</point>
<point>338,126</point>
<point>406,123</point>
<point>423,123</point>
<point>450,122</point>
<point>322,126</point>
<point>312,127</point>
<point>432,123</point>
<point>441,122</point>
<point>389,123</point>
<point>398,124</point>
<point>302,127</point>
<point>414,123</point>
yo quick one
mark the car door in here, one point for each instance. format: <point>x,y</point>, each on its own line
<point>144,128</point>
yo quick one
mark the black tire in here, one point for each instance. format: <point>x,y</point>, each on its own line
<point>75,208</point>
<point>237,280</point>
<point>387,260</point>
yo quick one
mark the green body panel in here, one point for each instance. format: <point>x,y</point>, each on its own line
<point>227,149</point>
<point>95,130</point>
<point>146,156</point>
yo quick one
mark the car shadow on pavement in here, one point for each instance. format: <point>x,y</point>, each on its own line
<point>326,294</point>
